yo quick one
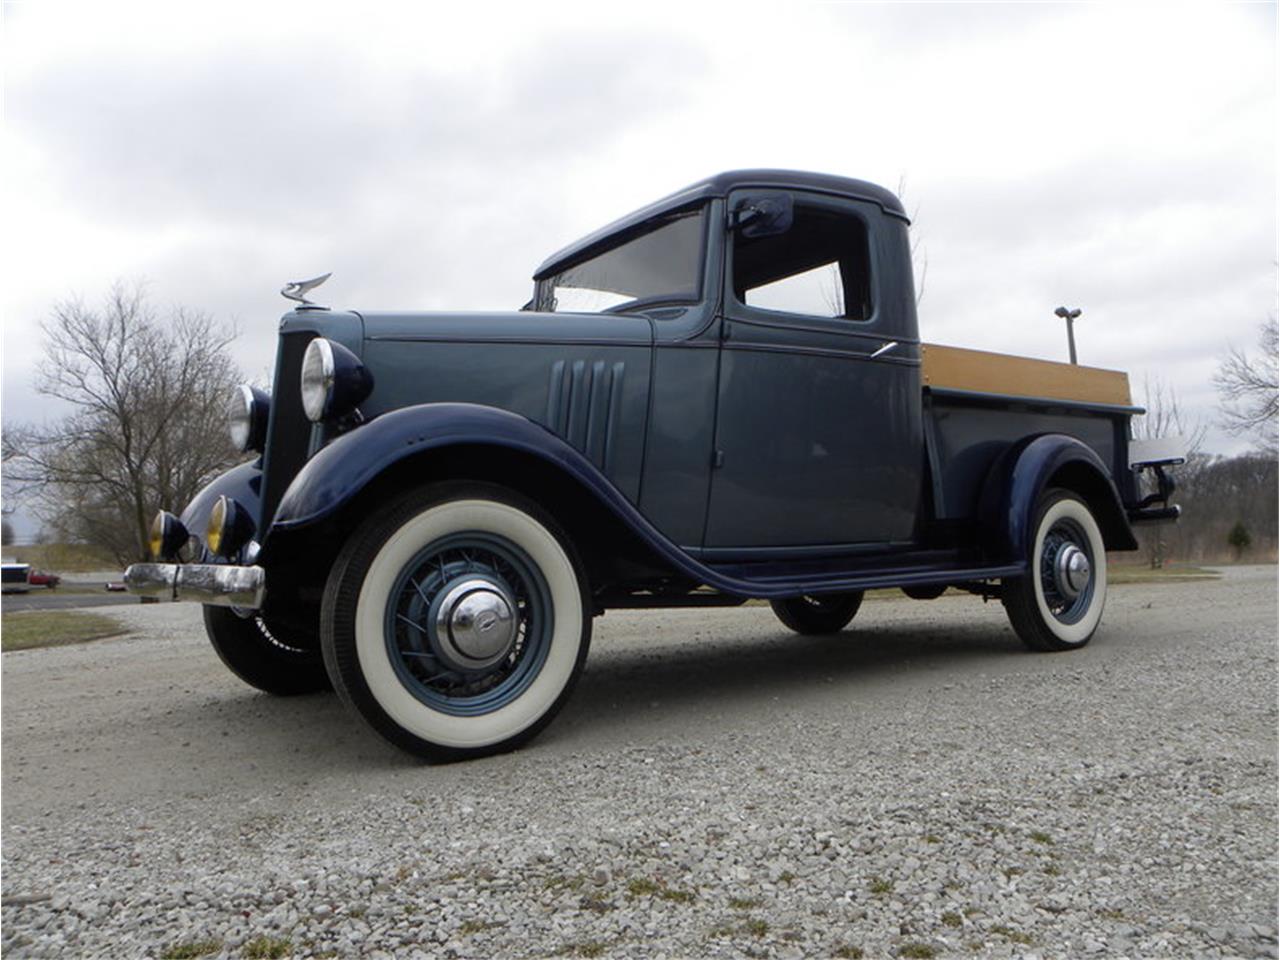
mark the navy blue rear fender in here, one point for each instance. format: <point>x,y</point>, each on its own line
<point>348,464</point>
<point>1019,477</point>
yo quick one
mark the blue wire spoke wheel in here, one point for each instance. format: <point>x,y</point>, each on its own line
<point>456,620</point>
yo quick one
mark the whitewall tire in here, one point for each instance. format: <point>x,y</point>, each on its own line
<point>1058,604</point>
<point>456,622</point>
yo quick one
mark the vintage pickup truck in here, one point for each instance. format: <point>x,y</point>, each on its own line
<point>722,396</point>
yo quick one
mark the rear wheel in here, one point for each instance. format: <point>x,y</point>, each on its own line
<point>272,661</point>
<point>1058,604</point>
<point>829,613</point>
<point>455,622</point>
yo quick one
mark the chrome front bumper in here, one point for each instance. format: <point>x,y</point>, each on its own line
<point>217,584</point>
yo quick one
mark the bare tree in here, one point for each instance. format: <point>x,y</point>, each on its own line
<point>1164,418</point>
<point>1249,388</point>
<point>147,427</point>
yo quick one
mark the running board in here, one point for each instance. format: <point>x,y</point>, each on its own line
<point>774,584</point>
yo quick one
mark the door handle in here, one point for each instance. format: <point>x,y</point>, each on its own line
<point>883,350</point>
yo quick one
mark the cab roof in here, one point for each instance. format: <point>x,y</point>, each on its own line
<point>720,185</point>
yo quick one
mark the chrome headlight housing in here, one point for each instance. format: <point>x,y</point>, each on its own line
<point>247,418</point>
<point>333,380</point>
<point>317,378</point>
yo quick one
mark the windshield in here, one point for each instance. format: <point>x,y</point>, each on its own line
<point>662,264</point>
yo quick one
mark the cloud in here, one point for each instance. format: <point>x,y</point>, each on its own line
<point>1094,155</point>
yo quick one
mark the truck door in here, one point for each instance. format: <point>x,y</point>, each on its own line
<point>818,424</point>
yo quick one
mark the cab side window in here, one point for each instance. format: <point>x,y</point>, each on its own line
<point>820,267</point>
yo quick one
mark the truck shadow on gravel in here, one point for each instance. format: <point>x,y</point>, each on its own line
<point>772,672</point>
<point>621,690</point>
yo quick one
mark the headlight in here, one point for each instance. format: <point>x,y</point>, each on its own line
<point>247,418</point>
<point>230,527</point>
<point>333,380</point>
<point>168,537</point>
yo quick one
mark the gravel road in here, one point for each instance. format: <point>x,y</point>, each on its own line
<point>717,787</point>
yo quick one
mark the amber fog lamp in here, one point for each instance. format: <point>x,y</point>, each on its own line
<point>168,536</point>
<point>247,418</point>
<point>333,381</point>
<point>230,527</point>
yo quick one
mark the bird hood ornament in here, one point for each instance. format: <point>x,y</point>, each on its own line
<point>298,289</point>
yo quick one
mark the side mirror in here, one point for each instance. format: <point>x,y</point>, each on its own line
<point>763,215</point>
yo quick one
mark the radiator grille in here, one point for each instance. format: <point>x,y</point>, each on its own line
<point>288,429</point>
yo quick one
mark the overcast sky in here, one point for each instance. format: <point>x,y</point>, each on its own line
<point>1120,158</point>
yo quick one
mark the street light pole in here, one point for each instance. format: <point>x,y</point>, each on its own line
<point>1070,317</point>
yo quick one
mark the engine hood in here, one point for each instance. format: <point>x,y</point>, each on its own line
<point>509,327</point>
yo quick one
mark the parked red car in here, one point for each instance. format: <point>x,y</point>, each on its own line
<point>38,578</point>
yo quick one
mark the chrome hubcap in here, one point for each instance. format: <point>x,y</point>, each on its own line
<point>1071,571</point>
<point>475,625</point>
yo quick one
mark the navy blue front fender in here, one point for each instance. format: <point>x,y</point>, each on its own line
<point>343,468</point>
<point>242,484</point>
<point>1016,481</point>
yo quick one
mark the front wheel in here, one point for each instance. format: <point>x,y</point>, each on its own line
<point>270,660</point>
<point>1058,603</point>
<point>455,622</point>
<point>814,615</point>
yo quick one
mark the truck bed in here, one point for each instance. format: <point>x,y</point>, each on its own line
<point>977,403</point>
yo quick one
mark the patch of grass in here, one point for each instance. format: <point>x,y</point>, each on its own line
<point>1052,870</point>
<point>756,927</point>
<point>880,886</point>
<point>470,927</point>
<point>932,838</point>
<point>951,919</point>
<point>786,877</point>
<point>190,949</point>
<point>268,948</point>
<point>64,557</point>
<point>54,628</point>
<point>848,952</point>
<point>1011,872</point>
<point>917,951</point>
<point>1017,936</point>
<point>677,896</point>
<point>743,903</point>
<point>971,911</point>
<point>724,930</point>
<point>583,948</point>
<point>1171,574</point>
<point>1039,836</point>
<point>560,882</point>
<point>642,887</point>
<point>1110,914</point>
<point>356,913</point>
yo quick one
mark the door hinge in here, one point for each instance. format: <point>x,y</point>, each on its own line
<point>717,459</point>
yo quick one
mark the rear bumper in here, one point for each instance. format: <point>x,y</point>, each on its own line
<point>217,584</point>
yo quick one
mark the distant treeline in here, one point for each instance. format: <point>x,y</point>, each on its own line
<point>1230,511</point>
